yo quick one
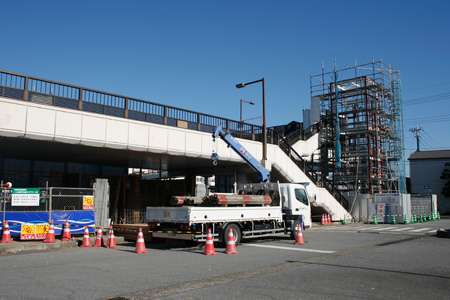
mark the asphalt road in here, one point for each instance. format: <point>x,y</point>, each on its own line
<point>356,261</point>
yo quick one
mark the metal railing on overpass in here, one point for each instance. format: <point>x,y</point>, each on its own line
<point>43,91</point>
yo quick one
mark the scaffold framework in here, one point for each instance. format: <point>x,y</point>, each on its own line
<point>364,115</point>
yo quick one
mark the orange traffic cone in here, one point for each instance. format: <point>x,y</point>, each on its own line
<point>50,237</point>
<point>111,239</point>
<point>322,222</point>
<point>140,243</point>
<point>329,219</point>
<point>66,234</point>
<point>209,247</point>
<point>99,241</point>
<point>6,236</point>
<point>231,245</point>
<point>86,238</point>
<point>299,237</point>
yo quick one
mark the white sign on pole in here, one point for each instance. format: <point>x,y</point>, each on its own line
<point>25,197</point>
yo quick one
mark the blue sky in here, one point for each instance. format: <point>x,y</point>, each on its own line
<point>190,54</point>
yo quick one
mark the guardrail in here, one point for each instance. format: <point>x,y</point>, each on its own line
<point>37,90</point>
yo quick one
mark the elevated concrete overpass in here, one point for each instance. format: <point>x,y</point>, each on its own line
<point>41,119</point>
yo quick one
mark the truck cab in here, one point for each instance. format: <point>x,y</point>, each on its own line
<point>295,203</point>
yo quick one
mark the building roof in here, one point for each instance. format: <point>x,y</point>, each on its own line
<point>423,155</point>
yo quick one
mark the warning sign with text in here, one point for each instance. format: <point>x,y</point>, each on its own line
<point>88,202</point>
<point>34,231</point>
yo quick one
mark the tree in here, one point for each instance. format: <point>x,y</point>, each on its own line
<point>446,175</point>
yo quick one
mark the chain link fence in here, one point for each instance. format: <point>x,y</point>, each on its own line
<point>50,199</point>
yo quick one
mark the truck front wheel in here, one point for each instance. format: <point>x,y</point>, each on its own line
<point>236,233</point>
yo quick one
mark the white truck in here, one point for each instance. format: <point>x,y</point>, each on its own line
<point>289,207</point>
<point>257,210</point>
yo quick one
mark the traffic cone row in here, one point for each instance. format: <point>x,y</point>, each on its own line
<point>99,240</point>
<point>299,237</point>
<point>231,245</point>
<point>111,243</point>
<point>209,246</point>
<point>66,233</point>
<point>50,237</point>
<point>326,219</point>
<point>6,236</point>
<point>86,238</point>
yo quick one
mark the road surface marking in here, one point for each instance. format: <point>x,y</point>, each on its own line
<point>290,248</point>
<point>420,229</point>
<point>385,228</point>
<point>401,229</point>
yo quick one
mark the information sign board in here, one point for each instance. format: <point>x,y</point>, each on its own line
<point>25,197</point>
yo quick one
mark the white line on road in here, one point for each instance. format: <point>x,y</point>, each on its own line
<point>290,248</point>
<point>385,228</point>
<point>401,229</point>
<point>420,229</point>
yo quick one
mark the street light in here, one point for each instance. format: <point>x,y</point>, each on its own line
<point>241,85</point>
<point>249,102</point>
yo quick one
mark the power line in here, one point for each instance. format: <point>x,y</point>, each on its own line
<point>431,119</point>
<point>426,87</point>
<point>427,99</point>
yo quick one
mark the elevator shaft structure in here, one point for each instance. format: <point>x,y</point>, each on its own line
<point>364,103</point>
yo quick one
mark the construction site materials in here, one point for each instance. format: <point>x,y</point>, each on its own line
<point>50,237</point>
<point>186,200</point>
<point>140,243</point>
<point>361,119</point>
<point>66,234</point>
<point>86,238</point>
<point>221,199</point>
<point>231,245</point>
<point>209,246</point>
<point>6,236</point>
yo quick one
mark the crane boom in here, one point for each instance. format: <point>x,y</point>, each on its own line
<point>263,173</point>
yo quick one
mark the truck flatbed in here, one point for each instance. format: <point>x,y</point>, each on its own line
<point>196,215</point>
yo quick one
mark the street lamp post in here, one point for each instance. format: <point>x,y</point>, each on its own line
<point>241,85</point>
<point>249,102</point>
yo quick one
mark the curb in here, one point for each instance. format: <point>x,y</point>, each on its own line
<point>19,246</point>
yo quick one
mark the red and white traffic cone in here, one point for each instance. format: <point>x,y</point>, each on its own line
<point>50,237</point>
<point>299,237</point>
<point>140,243</point>
<point>111,239</point>
<point>231,245</point>
<point>86,238</point>
<point>99,241</point>
<point>323,222</point>
<point>6,236</point>
<point>209,246</point>
<point>66,234</point>
<point>328,219</point>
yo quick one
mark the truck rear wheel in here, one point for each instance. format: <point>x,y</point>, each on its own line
<point>236,233</point>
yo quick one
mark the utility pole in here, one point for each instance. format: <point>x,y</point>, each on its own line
<point>416,132</point>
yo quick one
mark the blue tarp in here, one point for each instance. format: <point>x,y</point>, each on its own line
<point>77,220</point>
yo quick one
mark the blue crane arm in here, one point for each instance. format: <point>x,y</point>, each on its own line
<point>263,173</point>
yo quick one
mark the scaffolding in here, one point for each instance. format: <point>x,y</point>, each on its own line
<point>361,136</point>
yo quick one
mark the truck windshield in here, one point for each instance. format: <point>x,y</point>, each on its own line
<point>301,196</point>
